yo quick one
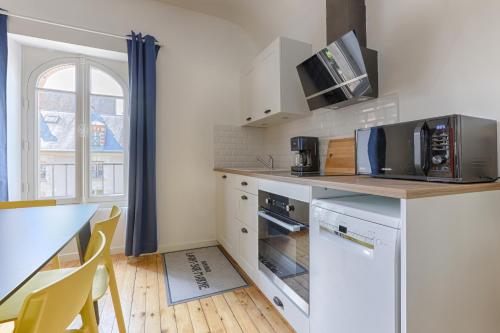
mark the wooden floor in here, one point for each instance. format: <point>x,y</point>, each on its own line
<point>141,283</point>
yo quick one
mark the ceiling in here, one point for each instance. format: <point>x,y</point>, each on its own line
<point>264,20</point>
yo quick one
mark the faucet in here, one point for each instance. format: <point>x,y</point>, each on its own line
<point>269,163</point>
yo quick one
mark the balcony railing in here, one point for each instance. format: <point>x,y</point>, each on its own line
<point>58,179</point>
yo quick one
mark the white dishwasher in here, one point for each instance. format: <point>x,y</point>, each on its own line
<point>354,267</point>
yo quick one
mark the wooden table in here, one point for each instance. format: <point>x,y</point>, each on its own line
<point>30,237</point>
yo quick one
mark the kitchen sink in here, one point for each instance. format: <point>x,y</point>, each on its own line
<point>260,169</point>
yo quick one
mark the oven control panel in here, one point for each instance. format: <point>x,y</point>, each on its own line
<point>284,206</point>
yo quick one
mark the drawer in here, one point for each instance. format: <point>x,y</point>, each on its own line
<point>246,184</point>
<point>295,317</point>
<point>246,209</point>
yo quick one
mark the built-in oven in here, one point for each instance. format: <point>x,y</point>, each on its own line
<point>284,245</point>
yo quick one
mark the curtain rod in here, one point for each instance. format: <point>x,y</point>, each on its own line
<point>72,27</point>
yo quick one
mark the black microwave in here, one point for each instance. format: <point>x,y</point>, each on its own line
<point>455,148</point>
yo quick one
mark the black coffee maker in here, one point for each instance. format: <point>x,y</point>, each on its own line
<point>306,155</point>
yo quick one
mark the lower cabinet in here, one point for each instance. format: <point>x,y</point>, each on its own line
<point>226,224</point>
<point>247,250</point>
<point>237,232</point>
<point>295,317</point>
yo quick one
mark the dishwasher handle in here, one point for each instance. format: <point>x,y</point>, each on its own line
<point>357,239</point>
<point>288,226</point>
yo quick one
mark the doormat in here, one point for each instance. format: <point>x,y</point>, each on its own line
<point>198,273</point>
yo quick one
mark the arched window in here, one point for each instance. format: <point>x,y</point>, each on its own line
<point>80,109</point>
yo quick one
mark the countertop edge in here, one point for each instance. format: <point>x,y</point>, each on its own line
<point>392,188</point>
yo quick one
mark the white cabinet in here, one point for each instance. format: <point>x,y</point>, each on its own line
<point>270,86</point>
<point>295,317</point>
<point>236,218</point>
<point>226,223</point>
<point>246,210</point>
<point>237,232</point>
<point>247,250</point>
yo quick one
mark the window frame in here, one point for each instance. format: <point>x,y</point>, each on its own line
<point>30,132</point>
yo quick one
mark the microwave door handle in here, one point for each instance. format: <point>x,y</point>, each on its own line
<point>418,146</point>
<point>287,226</point>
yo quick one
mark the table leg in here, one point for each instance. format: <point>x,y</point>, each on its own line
<point>83,242</point>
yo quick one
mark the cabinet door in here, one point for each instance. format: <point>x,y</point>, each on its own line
<point>247,251</point>
<point>220,207</point>
<point>268,95</point>
<point>248,92</point>
<point>226,224</point>
<point>231,224</point>
<point>232,237</point>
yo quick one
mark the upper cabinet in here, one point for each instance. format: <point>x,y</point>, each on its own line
<point>270,86</point>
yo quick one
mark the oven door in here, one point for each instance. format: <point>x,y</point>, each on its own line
<point>284,255</point>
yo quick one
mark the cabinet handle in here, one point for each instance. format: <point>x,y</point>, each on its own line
<point>249,118</point>
<point>244,183</point>
<point>224,176</point>
<point>244,230</point>
<point>267,111</point>
<point>244,197</point>
<point>278,302</point>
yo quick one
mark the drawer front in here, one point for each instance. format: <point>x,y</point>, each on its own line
<point>247,209</point>
<point>246,184</point>
<point>295,317</point>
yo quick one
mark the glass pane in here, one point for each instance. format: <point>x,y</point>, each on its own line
<point>107,141</point>
<point>58,78</point>
<point>102,83</point>
<point>56,115</point>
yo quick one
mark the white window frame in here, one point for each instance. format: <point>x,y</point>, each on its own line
<point>30,132</point>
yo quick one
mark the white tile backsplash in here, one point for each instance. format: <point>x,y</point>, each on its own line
<point>238,146</point>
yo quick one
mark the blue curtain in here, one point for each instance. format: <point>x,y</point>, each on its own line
<point>141,219</point>
<point>4,193</point>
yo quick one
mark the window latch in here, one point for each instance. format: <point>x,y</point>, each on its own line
<point>83,130</point>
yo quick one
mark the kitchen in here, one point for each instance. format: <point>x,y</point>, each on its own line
<point>368,238</point>
<point>341,155</point>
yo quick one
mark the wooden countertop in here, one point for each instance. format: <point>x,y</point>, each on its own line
<point>400,189</point>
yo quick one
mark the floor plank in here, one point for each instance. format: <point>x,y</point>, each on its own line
<point>152,297</point>
<point>214,320</point>
<point>228,319</point>
<point>183,319</point>
<point>258,317</point>
<point>245,322</point>
<point>138,310</point>
<point>198,320</point>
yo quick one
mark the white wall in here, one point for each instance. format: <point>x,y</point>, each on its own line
<point>265,20</point>
<point>297,19</point>
<point>441,57</point>
<point>14,110</point>
<point>198,86</point>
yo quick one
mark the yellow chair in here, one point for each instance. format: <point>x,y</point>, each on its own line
<point>52,307</point>
<point>54,262</point>
<point>104,275</point>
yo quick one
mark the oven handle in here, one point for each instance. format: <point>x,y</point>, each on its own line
<point>287,226</point>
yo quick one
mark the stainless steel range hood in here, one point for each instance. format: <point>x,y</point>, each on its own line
<point>341,74</point>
